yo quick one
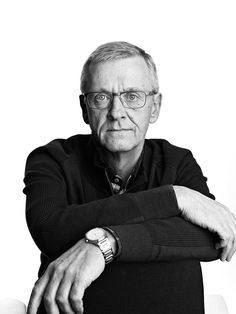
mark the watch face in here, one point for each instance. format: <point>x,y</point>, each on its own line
<point>95,234</point>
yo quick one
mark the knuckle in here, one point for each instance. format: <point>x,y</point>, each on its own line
<point>60,298</point>
<point>232,238</point>
<point>224,241</point>
<point>226,209</point>
<point>69,271</point>
<point>47,298</point>
<point>57,270</point>
<point>227,237</point>
<point>57,267</point>
<point>36,288</point>
<point>51,267</point>
<point>75,298</point>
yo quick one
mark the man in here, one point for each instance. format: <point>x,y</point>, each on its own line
<point>122,222</point>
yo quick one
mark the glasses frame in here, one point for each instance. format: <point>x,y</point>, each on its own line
<point>112,95</point>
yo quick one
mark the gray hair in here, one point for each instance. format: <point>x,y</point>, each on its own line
<point>114,51</point>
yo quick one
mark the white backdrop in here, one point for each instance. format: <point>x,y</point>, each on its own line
<point>43,47</point>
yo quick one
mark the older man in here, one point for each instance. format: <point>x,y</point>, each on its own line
<point>122,222</point>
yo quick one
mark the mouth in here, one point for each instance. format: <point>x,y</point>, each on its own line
<point>118,130</point>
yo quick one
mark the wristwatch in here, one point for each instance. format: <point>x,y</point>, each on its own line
<point>98,237</point>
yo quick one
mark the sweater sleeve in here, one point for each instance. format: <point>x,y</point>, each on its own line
<point>168,239</point>
<point>172,238</point>
<point>56,225</point>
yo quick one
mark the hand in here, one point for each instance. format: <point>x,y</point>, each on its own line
<point>209,214</point>
<point>63,284</point>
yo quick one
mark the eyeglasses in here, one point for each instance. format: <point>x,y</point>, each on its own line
<point>129,99</point>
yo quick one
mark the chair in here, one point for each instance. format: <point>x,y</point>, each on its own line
<point>12,306</point>
<point>215,304</point>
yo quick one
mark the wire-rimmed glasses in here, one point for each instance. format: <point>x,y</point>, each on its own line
<point>129,99</point>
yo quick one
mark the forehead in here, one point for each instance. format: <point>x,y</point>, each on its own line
<point>120,74</point>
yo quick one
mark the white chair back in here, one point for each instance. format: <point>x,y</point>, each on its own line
<point>12,306</point>
<point>215,304</point>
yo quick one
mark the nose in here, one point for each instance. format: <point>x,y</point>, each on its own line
<point>116,110</point>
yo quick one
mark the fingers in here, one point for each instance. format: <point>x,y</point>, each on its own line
<point>50,294</point>
<point>62,296</point>
<point>232,252</point>
<point>37,294</point>
<point>60,291</point>
<point>225,226</point>
<point>225,249</point>
<point>225,253</point>
<point>63,284</point>
<point>229,248</point>
<point>228,239</point>
<point>76,296</point>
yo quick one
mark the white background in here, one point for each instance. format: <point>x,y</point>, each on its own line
<point>43,47</point>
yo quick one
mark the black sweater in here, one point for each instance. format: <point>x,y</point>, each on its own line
<point>158,270</point>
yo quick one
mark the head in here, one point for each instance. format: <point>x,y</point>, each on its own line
<point>115,68</point>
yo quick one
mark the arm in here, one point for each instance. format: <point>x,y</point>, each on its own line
<point>49,214</point>
<point>211,215</point>
<point>169,239</point>
<point>166,239</point>
<point>205,225</point>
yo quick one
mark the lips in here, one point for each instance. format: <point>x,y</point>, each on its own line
<point>118,130</point>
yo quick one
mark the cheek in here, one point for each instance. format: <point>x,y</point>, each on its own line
<point>140,120</point>
<point>96,121</point>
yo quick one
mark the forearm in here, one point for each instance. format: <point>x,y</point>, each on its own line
<point>56,228</point>
<point>166,240</point>
<point>56,225</point>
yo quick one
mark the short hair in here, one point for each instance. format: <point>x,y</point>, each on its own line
<point>114,51</point>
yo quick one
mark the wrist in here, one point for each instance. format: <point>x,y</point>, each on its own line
<point>100,238</point>
<point>181,196</point>
<point>112,241</point>
<point>117,243</point>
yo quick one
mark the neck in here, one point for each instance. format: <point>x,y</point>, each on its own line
<point>123,162</point>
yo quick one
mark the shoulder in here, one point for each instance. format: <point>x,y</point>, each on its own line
<point>61,149</point>
<point>170,154</point>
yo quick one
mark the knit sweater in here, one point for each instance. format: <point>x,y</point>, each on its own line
<point>158,270</point>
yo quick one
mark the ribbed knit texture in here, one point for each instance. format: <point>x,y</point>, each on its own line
<point>158,270</point>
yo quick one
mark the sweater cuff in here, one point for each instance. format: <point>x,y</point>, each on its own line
<point>136,242</point>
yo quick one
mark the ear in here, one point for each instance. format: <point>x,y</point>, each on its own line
<point>84,109</point>
<point>156,108</point>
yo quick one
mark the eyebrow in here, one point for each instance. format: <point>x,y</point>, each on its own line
<point>128,89</point>
<point>133,89</point>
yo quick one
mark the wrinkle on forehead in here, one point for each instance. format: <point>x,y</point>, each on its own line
<point>120,75</point>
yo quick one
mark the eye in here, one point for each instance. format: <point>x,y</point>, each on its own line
<point>101,97</point>
<point>131,96</point>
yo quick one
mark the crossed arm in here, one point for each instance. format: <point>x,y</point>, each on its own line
<point>76,264</point>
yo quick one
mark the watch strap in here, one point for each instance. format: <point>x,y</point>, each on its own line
<point>106,249</point>
<point>118,242</point>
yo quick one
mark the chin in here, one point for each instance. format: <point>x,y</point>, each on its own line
<point>118,146</point>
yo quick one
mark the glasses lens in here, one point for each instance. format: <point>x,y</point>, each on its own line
<point>98,100</point>
<point>134,99</point>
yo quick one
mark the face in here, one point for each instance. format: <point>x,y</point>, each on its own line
<point>117,128</point>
